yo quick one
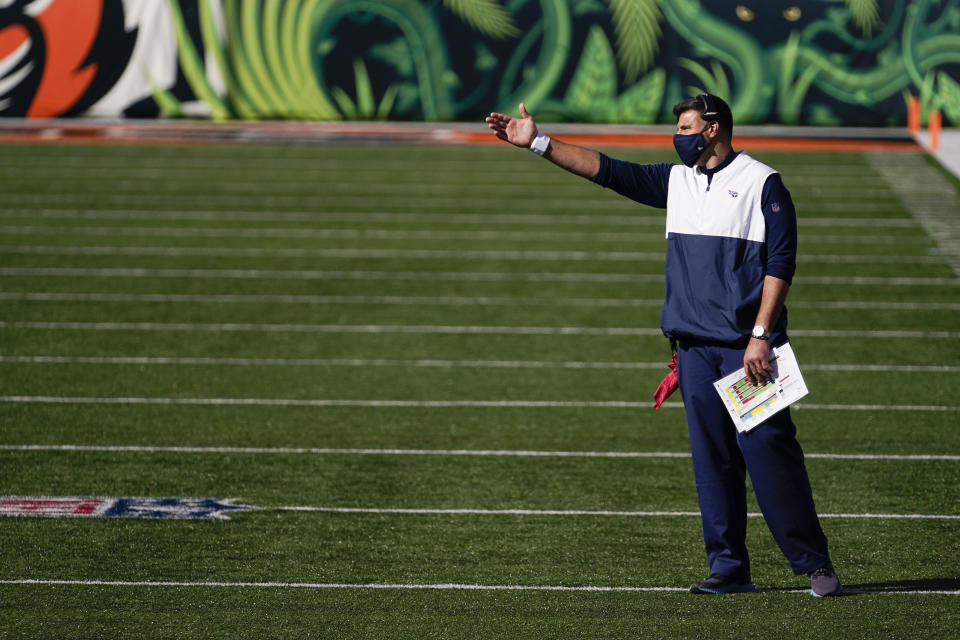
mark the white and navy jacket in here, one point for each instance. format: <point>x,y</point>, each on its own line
<point>727,228</point>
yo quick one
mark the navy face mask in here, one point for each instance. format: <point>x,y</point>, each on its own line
<point>689,147</point>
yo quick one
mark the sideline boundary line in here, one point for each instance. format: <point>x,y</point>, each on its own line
<point>436,586</point>
<point>505,453</point>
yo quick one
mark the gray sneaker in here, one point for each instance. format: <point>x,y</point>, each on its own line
<point>824,582</point>
<point>717,583</point>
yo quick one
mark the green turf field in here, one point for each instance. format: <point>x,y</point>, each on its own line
<point>430,370</point>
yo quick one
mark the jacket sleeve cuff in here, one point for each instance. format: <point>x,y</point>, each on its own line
<point>783,272</point>
<point>603,174</point>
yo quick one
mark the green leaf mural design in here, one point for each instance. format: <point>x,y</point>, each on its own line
<point>792,93</point>
<point>865,14</point>
<point>486,16</point>
<point>637,25</point>
<point>365,108</point>
<point>587,60</point>
<point>920,54</point>
<point>949,97</point>
<point>260,80</point>
<point>168,103</point>
<point>592,93</point>
<point>192,66</point>
<point>714,81</point>
<point>640,103</point>
<point>212,43</point>
<point>727,45</point>
<point>556,29</point>
<point>420,28</point>
<point>594,84</point>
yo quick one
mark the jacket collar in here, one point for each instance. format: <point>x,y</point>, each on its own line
<point>723,165</point>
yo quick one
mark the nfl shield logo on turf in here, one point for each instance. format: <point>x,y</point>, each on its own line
<point>176,508</point>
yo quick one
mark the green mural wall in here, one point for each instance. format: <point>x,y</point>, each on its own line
<point>626,61</point>
<point>819,62</point>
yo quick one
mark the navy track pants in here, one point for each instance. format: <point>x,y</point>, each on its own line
<point>722,455</point>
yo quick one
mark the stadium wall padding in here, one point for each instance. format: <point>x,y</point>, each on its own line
<point>825,62</point>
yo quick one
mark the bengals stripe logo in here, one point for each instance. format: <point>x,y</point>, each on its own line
<point>50,54</point>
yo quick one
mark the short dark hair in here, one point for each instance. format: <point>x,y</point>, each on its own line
<point>711,109</point>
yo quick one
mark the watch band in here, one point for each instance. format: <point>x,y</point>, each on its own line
<point>540,144</point>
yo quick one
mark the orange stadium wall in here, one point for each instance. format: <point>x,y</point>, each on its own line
<point>853,62</point>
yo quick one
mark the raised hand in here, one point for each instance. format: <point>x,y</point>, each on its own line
<point>517,131</point>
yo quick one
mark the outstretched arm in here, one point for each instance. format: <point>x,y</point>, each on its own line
<point>522,131</point>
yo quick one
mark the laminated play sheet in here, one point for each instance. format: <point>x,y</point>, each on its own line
<point>749,404</point>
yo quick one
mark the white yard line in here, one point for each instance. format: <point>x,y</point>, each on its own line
<point>366,217</point>
<point>442,364</point>
<point>496,453</point>
<point>337,328</point>
<point>533,201</point>
<point>360,252</point>
<point>874,305</point>
<point>418,188</point>
<point>881,368</point>
<point>430,404</point>
<point>496,220</point>
<point>292,160</point>
<point>332,585</point>
<point>470,276</point>
<point>314,232</point>
<point>221,298</point>
<point>424,586</point>
<point>399,178</point>
<point>436,329</point>
<point>398,254</point>
<point>829,333</point>
<point>288,274</point>
<point>350,300</point>
<point>334,362</point>
<point>596,513</point>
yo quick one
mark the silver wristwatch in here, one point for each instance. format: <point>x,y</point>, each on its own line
<point>760,332</point>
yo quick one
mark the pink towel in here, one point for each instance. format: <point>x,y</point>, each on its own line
<point>667,386</point>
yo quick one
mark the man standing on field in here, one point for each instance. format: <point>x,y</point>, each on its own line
<point>731,250</point>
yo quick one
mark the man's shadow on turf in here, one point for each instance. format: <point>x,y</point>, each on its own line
<point>926,584</point>
<point>896,586</point>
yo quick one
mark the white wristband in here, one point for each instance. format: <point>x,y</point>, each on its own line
<point>540,144</point>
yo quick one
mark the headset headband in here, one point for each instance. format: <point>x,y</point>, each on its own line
<point>709,107</point>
